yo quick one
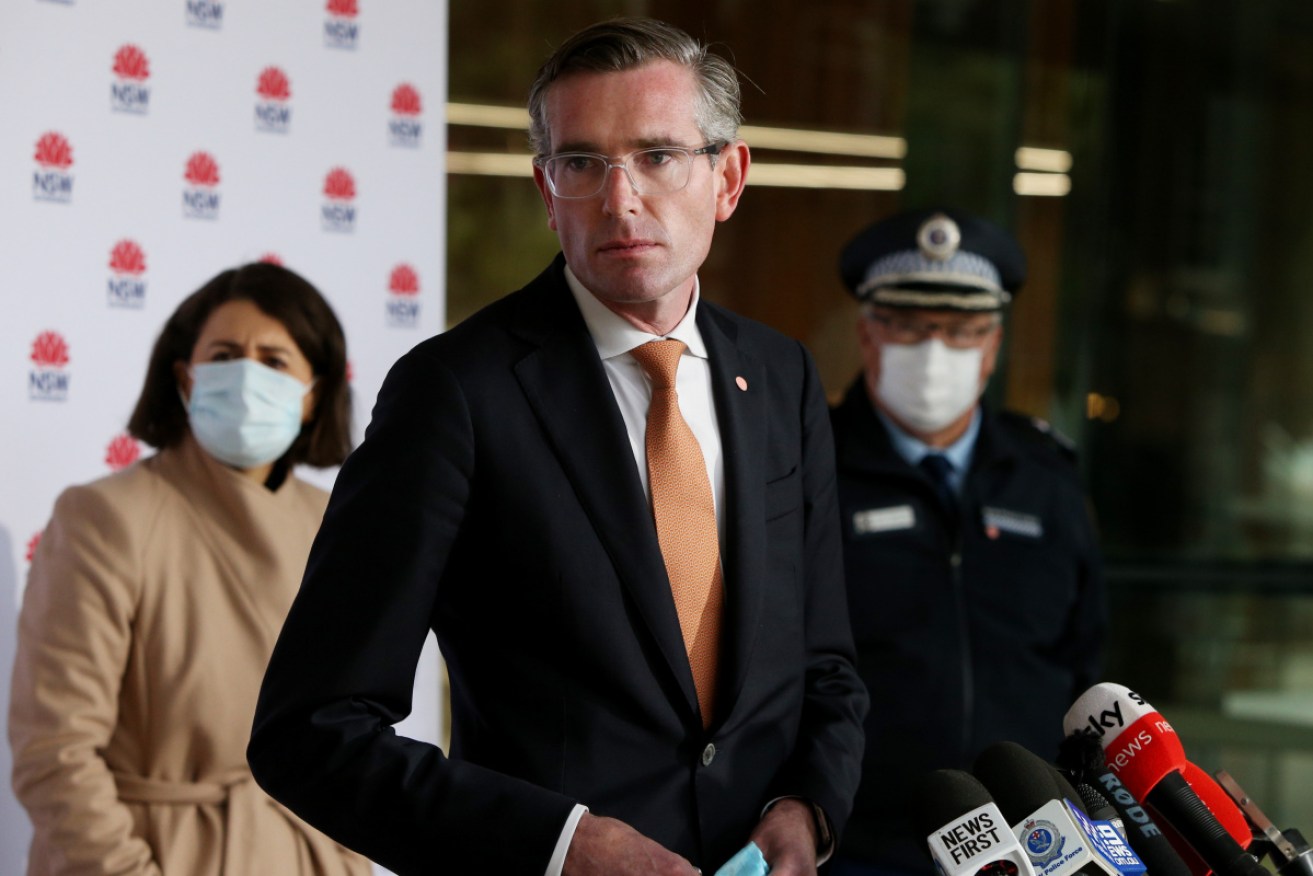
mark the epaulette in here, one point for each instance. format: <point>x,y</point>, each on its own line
<point>1041,430</point>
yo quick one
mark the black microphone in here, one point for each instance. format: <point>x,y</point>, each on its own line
<point>964,829</point>
<point>1048,816</point>
<point>1082,757</point>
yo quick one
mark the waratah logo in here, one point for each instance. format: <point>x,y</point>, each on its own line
<point>122,452</point>
<point>271,258</point>
<point>200,197</point>
<point>403,297</point>
<point>48,381</point>
<point>272,111</point>
<point>339,212</point>
<point>31,546</point>
<point>205,13</point>
<point>51,181</point>
<point>127,269</point>
<point>404,127</point>
<point>128,93</point>
<point>341,30</point>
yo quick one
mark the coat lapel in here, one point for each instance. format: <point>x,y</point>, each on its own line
<point>566,385</point>
<point>741,415</point>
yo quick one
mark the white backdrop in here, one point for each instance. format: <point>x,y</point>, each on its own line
<point>145,145</point>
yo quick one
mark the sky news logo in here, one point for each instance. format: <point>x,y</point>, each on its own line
<point>200,195</point>
<point>273,90</point>
<point>206,14</point>
<point>129,93</point>
<point>403,297</point>
<point>404,128</point>
<point>48,381</point>
<point>338,212</point>
<point>341,27</point>
<point>127,275</point>
<point>52,181</point>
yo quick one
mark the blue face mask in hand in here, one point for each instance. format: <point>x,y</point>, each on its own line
<point>244,413</point>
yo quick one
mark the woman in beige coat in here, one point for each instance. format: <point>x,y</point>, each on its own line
<point>156,594</point>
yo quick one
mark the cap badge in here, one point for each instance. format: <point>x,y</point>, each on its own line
<point>938,238</point>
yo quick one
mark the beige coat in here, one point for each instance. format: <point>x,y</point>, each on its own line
<point>153,603</point>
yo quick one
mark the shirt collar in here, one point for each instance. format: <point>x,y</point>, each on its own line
<point>913,449</point>
<point>614,335</point>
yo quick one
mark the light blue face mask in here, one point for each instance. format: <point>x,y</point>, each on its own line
<point>244,413</point>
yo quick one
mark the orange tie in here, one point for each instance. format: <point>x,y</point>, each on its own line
<point>685,514</point>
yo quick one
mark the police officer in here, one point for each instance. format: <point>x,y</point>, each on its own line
<point>974,581</point>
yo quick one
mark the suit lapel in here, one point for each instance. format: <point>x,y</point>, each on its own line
<point>566,385</point>
<point>741,415</point>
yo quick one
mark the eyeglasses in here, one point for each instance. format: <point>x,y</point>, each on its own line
<point>958,335</point>
<point>661,170</point>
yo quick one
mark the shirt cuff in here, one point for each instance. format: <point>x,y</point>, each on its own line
<point>824,835</point>
<point>557,862</point>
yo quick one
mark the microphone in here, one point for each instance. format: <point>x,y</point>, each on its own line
<point>1145,753</point>
<point>1081,755</point>
<point>1048,817</point>
<point>1288,851</point>
<point>964,829</point>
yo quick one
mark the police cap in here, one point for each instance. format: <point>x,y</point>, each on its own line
<point>940,258</point>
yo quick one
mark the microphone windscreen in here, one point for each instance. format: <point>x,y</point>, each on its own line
<point>942,796</point>
<point>1019,780</point>
<point>1081,755</point>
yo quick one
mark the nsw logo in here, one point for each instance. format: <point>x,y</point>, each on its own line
<point>127,275</point>
<point>52,181</point>
<point>207,14</point>
<point>129,93</point>
<point>339,209</point>
<point>200,195</point>
<point>404,128</point>
<point>122,452</point>
<point>403,297</point>
<point>341,29</point>
<point>48,381</point>
<point>273,90</point>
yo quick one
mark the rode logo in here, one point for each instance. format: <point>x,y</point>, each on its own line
<point>48,381</point>
<point>1127,805</point>
<point>404,128</point>
<point>272,111</point>
<point>341,30</point>
<point>206,14</point>
<point>200,196</point>
<point>403,297</point>
<point>122,452</point>
<point>51,181</point>
<point>128,93</point>
<point>339,210</point>
<point>127,282</point>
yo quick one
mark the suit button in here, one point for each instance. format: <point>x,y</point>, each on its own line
<point>708,754</point>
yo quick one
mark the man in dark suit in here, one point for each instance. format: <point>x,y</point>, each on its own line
<point>650,660</point>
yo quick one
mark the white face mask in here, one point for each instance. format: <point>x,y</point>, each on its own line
<point>244,413</point>
<point>927,386</point>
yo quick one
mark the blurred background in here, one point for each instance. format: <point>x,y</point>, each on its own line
<point>1146,154</point>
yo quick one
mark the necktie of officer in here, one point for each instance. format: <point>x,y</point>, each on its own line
<point>685,515</point>
<point>939,470</point>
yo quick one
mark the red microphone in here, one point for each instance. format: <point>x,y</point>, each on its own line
<point>1144,751</point>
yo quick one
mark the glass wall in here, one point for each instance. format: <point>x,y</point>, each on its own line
<point>1168,220</point>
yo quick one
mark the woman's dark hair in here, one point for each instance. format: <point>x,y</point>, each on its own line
<point>160,419</point>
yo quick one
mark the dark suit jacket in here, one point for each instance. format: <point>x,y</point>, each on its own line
<point>496,501</point>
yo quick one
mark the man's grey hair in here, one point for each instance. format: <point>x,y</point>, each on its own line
<point>627,43</point>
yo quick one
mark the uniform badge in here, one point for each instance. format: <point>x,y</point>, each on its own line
<point>938,238</point>
<point>1000,520</point>
<point>1043,841</point>
<point>892,519</point>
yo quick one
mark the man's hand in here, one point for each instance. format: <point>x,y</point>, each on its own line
<point>787,838</point>
<point>607,847</point>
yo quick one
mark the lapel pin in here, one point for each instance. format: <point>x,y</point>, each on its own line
<point>741,383</point>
